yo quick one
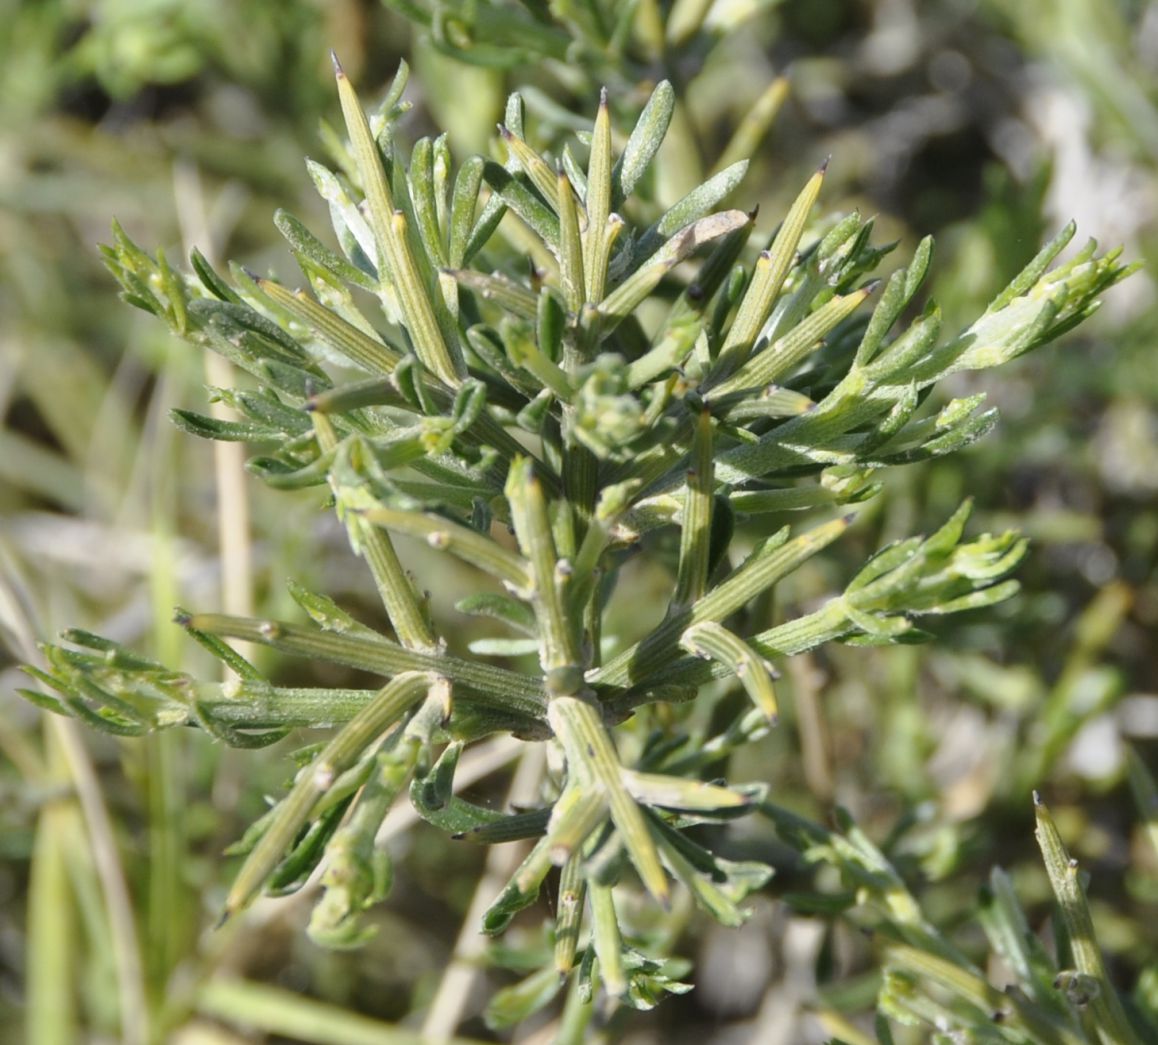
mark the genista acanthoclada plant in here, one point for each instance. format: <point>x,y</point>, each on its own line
<point>540,419</point>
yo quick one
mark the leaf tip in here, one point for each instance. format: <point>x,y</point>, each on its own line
<point>339,72</point>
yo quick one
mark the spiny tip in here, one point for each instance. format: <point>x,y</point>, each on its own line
<point>182,617</point>
<point>1037,798</point>
<point>870,288</point>
<point>338,70</point>
<point>505,132</point>
<point>823,168</point>
<point>602,97</point>
<point>225,916</point>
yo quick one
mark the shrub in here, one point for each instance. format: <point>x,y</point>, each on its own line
<point>530,367</point>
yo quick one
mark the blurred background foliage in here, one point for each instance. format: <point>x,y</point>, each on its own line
<point>987,124</point>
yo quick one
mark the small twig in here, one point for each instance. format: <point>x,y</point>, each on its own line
<point>230,480</point>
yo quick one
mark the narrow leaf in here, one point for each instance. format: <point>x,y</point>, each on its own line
<point>644,142</point>
<point>709,639</point>
<point>1074,909</point>
<point>392,701</point>
<point>771,271</point>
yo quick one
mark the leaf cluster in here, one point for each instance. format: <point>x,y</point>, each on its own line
<point>535,371</point>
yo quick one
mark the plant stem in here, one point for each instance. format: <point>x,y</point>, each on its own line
<point>395,588</point>
<point>490,686</point>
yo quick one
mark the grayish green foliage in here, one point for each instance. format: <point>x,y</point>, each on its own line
<point>653,371</point>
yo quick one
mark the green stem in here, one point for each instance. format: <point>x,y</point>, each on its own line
<point>395,587</point>
<point>461,541</point>
<point>490,686</point>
